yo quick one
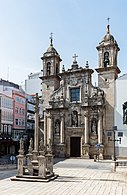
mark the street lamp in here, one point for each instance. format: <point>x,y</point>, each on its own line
<point>114,140</point>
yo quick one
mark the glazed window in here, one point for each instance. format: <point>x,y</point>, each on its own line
<point>120,134</point>
<point>75,94</point>
<point>16,121</point>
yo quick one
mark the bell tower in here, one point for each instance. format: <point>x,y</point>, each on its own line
<point>108,71</point>
<point>107,54</point>
<point>51,69</point>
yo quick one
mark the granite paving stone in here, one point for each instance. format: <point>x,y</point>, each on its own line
<point>76,177</point>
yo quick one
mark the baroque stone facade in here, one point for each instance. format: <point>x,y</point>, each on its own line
<point>78,115</point>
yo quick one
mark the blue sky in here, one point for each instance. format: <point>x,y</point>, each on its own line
<point>77,25</point>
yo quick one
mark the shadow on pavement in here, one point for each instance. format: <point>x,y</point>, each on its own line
<point>57,160</point>
<point>80,179</point>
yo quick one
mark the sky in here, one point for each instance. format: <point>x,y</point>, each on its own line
<point>77,26</point>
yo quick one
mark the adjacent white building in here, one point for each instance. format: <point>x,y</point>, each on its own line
<point>33,84</point>
<point>121,116</point>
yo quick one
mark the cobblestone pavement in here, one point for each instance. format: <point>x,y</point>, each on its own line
<point>76,176</point>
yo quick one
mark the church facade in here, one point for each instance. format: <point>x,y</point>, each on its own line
<point>78,117</point>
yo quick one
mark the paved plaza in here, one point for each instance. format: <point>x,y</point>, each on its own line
<point>76,176</point>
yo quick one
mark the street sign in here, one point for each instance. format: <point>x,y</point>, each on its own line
<point>98,146</point>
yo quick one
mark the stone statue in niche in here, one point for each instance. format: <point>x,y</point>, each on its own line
<point>74,119</point>
<point>57,127</point>
<point>94,127</point>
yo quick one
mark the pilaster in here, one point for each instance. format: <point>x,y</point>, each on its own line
<point>45,129</point>
<point>62,130</point>
<point>86,140</point>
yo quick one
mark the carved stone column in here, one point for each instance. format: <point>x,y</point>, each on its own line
<point>85,147</point>
<point>50,127</point>
<point>86,129</point>
<point>36,130</point>
<point>100,128</point>
<point>100,134</point>
<point>45,130</point>
<point>62,130</point>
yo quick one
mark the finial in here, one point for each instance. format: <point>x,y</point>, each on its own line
<point>87,65</point>
<point>108,20</point>
<point>75,56</point>
<point>63,69</point>
<point>108,30</point>
<point>51,39</point>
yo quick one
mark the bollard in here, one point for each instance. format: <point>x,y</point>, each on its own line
<point>95,158</point>
<point>113,164</point>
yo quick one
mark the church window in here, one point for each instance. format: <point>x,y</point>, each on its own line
<point>75,94</point>
<point>74,119</point>
<point>57,126</point>
<point>57,69</point>
<point>48,68</point>
<point>106,59</point>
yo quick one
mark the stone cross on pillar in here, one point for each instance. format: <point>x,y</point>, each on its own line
<point>35,151</point>
<point>36,123</point>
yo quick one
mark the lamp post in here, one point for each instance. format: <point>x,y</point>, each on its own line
<point>114,140</point>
